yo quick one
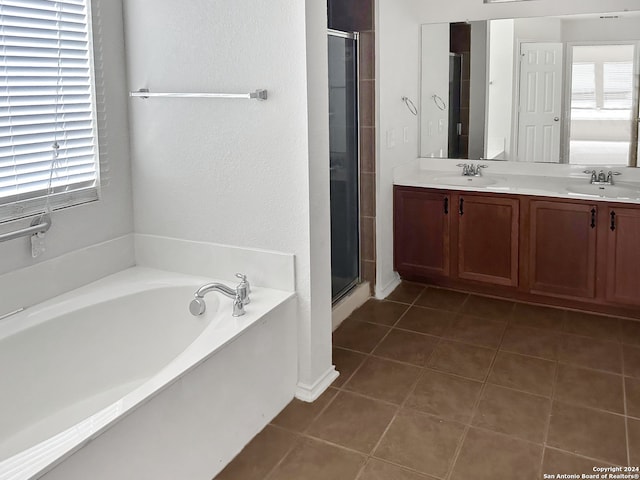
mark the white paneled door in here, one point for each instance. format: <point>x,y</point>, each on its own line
<point>540,102</point>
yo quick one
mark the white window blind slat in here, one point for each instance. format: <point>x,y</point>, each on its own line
<point>48,131</point>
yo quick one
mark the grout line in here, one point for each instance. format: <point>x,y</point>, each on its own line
<point>554,387</point>
<point>626,412</point>
<point>592,459</point>
<point>474,410</point>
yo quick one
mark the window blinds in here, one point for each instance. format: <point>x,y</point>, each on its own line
<point>583,85</point>
<point>48,141</point>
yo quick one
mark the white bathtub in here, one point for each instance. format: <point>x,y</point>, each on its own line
<point>118,380</point>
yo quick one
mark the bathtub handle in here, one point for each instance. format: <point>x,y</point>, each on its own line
<point>243,288</point>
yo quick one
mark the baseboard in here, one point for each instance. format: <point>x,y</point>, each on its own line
<point>309,393</point>
<point>348,304</point>
<point>383,292</point>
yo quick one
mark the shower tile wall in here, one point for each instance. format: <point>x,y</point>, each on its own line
<point>358,16</point>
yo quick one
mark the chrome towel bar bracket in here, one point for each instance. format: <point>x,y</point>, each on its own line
<point>145,93</point>
<point>39,225</point>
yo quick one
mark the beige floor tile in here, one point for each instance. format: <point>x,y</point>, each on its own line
<point>409,347</point>
<point>587,432</point>
<point>314,460</point>
<point>519,414</point>
<point>359,336</point>
<point>528,374</point>
<point>462,359</point>
<point>445,396</point>
<point>259,457</point>
<point>491,456</point>
<point>353,421</point>
<point>384,380</point>
<point>379,311</point>
<point>590,388</point>
<point>421,442</point>
<point>426,320</point>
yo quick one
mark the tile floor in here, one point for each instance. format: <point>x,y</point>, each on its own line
<point>437,384</point>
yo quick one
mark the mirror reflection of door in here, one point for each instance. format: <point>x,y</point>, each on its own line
<point>603,105</point>
<point>540,102</point>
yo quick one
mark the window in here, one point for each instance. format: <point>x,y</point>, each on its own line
<point>48,133</point>
<point>618,85</point>
<point>583,85</point>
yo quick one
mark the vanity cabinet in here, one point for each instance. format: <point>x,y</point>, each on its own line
<point>581,254</point>
<point>435,230</point>
<point>623,255</point>
<point>562,248</point>
<point>422,232</point>
<point>487,239</point>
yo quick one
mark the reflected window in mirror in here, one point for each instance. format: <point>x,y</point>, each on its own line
<point>601,103</point>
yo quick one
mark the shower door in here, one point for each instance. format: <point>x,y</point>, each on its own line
<point>344,162</point>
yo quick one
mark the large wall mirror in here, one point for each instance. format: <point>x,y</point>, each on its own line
<point>554,89</point>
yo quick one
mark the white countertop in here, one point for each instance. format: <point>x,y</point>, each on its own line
<point>549,180</point>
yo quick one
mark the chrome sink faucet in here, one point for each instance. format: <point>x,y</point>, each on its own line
<point>471,170</point>
<point>240,296</point>
<point>600,178</point>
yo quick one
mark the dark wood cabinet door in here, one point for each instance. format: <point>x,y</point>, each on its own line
<point>421,232</point>
<point>562,249</point>
<point>488,239</point>
<point>623,255</point>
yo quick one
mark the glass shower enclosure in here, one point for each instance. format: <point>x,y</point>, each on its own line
<point>344,162</point>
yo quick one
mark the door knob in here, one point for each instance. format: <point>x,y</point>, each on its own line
<point>556,119</point>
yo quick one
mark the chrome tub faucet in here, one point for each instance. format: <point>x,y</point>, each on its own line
<point>240,296</point>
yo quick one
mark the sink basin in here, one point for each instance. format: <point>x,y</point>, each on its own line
<point>608,191</point>
<point>461,181</point>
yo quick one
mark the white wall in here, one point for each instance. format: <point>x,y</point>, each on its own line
<point>238,172</point>
<point>111,217</point>
<point>434,121</point>
<point>397,68</point>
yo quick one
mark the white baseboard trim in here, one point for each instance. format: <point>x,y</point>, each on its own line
<point>309,393</point>
<point>347,305</point>
<point>382,293</point>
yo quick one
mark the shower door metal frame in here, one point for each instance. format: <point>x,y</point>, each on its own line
<point>356,37</point>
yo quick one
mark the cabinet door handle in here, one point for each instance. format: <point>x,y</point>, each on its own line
<point>446,205</point>
<point>613,221</point>
<point>593,218</point>
<point>461,210</point>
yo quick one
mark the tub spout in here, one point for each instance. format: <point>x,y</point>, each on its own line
<point>239,296</point>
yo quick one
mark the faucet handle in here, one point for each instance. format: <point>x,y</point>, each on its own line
<point>243,289</point>
<point>243,280</point>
